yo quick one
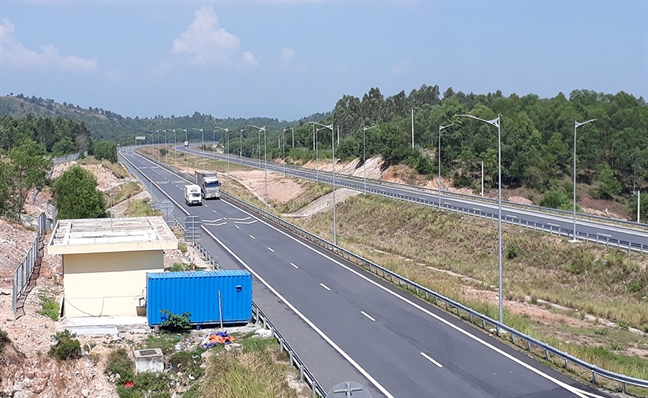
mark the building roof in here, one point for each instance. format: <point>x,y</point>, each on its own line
<point>104,235</point>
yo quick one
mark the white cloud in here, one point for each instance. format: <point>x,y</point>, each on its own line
<point>287,54</point>
<point>248,60</point>
<point>204,41</point>
<point>13,53</point>
<point>402,66</point>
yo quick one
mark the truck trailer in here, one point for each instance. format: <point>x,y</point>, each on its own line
<point>192,195</point>
<point>208,183</point>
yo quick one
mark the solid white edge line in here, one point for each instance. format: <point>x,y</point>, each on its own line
<point>431,360</point>
<point>304,318</point>
<point>288,304</point>
<point>566,386</point>
<point>368,316</point>
<point>325,287</point>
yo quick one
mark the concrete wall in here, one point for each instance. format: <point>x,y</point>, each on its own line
<point>107,284</point>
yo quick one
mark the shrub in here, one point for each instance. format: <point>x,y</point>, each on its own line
<point>175,322</point>
<point>556,200</point>
<point>178,267</point>
<point>66,347</point>
<point>512,251</point>
<point>4,339</point>
<point>623,325</point>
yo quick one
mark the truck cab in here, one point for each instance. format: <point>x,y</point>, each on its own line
<point>192,195</point>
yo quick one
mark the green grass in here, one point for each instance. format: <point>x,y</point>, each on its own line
<point>164,341</point>
<point>123,192</point>
<point>139,208</point>
<point>408,239</point>
<point>49,306</point>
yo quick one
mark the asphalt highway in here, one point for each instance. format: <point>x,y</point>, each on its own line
<point>602,233</point>
<point>397,344</point>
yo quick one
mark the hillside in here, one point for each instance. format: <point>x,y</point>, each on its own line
<point>107,125</point>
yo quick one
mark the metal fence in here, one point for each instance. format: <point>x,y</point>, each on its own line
<point>24,271</point>
<point>68,158</point>
<point>518,338</point>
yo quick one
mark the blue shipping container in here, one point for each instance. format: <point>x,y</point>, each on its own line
<point>197,293</point>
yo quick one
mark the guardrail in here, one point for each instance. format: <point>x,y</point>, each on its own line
<point>304,374</point>
<point>259,317</point>
<point>433,202</point>
<point>25,269</point>
<point>430,191</point>
<point>450,305</point>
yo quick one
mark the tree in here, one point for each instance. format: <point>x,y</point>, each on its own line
<point>76,195</point>
<point>610,186</point>
<point>106,150</point>
<point>7,203</point>
<point>556,200</point>
<point>63,147</point>
<point>29,167</point>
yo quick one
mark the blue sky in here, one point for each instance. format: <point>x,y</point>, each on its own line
<point>289,59</point>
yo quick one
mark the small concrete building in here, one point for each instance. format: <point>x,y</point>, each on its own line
<point>105,262</point>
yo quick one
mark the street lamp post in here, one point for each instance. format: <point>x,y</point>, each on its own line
<point>364,155</point>
<point>439,155</point>
<point>482,179</point>
<point>265,154</point>
<point>241,145</point>
<point>315,149</point>
<point>228,164</point>
<point>330,127</point>
<point>284,145</point>
<point>497,123</point>
<point>576,125</point>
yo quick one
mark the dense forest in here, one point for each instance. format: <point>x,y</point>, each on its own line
<point>107,125</point>
<point>537,135</point>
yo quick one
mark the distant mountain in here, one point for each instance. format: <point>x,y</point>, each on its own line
<point>107,125</point>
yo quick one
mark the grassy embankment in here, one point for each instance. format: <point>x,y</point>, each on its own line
<point>606,283</point>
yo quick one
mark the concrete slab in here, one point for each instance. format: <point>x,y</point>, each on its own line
<point>93,330</point>
<point>105,321</point>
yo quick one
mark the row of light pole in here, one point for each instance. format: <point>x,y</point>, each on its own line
<point>494,122</point>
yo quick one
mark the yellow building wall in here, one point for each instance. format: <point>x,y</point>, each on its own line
<point>107,284</point>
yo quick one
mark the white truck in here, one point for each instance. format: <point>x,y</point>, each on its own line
<point>192,195</point>
<point>208,183</point>
<point>186,144</point>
